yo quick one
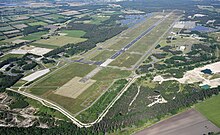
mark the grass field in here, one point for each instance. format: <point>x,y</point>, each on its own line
<point>46,87</point>
<point>210,109</point>
<point>60,40</point>
<point>126,60</point>
<point>131,34</point>
<point>74,33</point>
<point>104,55</point>
<point>34,36</point>
<point>93,112</point>
<point>37,23</point>
<point>147,41</point>
<point>60,77</point>
<point>5,57</point>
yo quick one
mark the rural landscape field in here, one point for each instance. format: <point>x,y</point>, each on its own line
<point>114,67</point>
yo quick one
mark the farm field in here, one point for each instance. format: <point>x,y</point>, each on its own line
<point>60,40</point>
<point>126,60</point>
<point>187,123</point>
<point>210,109</point>
<point>5,57</point>
<point>37,23</point>
<point>34,36</point>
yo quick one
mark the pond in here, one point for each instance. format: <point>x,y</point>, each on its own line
<point>202,29</point>
<point>131,20</point>
<point>207,71</point>
<point>205,87</point>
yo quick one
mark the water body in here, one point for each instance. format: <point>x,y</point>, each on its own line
<point>131,20</point>
<point>207,71</point>
<point>203,29</point>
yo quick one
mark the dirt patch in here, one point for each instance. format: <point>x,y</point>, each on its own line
<point>74,87</point>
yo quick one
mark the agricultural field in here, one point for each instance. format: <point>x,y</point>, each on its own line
<point>210,109</point>
<point>126,60</point>
<point>5,57</point>
<point>37,23</point>
<point>34,36</point>
<point>60,40</point>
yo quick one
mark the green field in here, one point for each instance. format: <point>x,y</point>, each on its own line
<point>74,33</point>
<point>104,55</point>
<point>210,109</point>
<point>93,112</point>
<point>60,40</point>
<point>7,28</point>
<point>37,23</point>
<point>5,57</point>
<point>126,60</point>
<point>34,36</point>
<point>60,77</point>
<point>45,87</point>
<point>147,41</point>
<point>131,34</point>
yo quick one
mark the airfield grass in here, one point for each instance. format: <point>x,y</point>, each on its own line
<point>60,40</point>
<point>95,110</point>
<point>34,36</point>
<point>74,33</point>
<point>126,60</point>
<point>104,55</point>
<point>147,41</point>
<point>60,77</point>
<point>132,33</point>
<point>210,109</point>
<point>5,57</point>
<point>103,80</point>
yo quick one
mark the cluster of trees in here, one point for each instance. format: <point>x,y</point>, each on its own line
<point>8,81</point>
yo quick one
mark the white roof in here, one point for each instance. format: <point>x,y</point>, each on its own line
<point>36,75</point>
